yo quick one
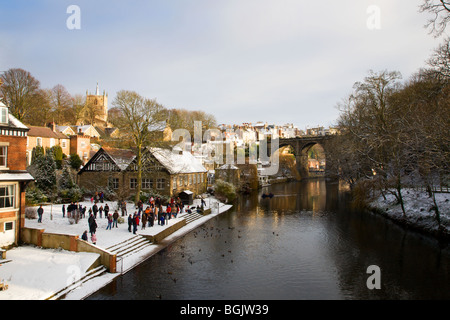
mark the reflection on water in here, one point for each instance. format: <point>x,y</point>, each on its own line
<point>303,243</point>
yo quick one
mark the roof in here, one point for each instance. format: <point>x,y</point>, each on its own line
<point>45,132</point>
<point>177,162</point>
<point>121,157</point>
<point>228,166</point>
<point>17,176</point>
<point>14,122</point>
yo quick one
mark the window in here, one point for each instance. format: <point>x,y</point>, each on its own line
<point>63,143</point>
<point>147,183</point>
<point>4,115</point>
<point>8,226</point>
<point>7,196</point>
<point>39,142</point>
<point>3,156</point>
<point>83,144</point>
<point>52,142</point>
<point>174,184</point>
<point>114,183</point>
<point>160,183</point>
<point>133,183</point>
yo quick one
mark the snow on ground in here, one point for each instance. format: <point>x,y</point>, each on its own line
<point>38,273</point>
<point>35,273</point>
<point>418,207</point>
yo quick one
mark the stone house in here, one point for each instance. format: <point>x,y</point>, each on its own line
<point>164,171</point>
<point>46,137</point>
<point>13,177</point>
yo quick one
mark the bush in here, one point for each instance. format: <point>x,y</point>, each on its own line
<point>31,213</point>
<point>75,161</point>
<point>224,191</point>
<point>34,196</point>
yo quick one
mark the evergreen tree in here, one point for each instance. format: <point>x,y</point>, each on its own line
<point>44,172</point>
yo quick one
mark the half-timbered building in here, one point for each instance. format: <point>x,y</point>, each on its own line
<point>164,171</point>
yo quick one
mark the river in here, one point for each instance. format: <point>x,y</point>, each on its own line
<point>303,243</point>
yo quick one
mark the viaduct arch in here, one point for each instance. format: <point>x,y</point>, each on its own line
<point>301,146</point>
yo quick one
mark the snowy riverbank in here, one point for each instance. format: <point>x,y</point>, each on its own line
<point>420,213</point>
<point>33,273</point>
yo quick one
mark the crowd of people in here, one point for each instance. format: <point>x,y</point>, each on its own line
<point>156,211</point>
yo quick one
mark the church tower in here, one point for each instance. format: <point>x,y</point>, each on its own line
<point>100,104</point>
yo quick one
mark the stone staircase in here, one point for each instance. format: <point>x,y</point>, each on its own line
<point>91,274</point>
<point>190,217</point>
<point>130,246</point>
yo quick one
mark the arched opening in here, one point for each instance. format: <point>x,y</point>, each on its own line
<point>287,162</point>
<point>314,160</point>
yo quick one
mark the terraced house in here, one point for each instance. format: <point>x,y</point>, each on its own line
<point>166,172</point>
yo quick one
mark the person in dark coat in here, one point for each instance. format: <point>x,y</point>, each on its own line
<point>84,236</point>
<point>40,212</point>
<point>92,225</point>
<point>130,222</point>
<point>106,209</point>
<point>115,218</point>
<point>95,210</point>
<point>135,223</point>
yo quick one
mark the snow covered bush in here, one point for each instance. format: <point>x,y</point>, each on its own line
<point>224,191</point>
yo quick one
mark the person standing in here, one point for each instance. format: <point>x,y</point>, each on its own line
<point>144,219</point>
<point>106,209</point>
<point>92,225</point>
<point>40,212</point>
<point>110,219</point>
<point>115,218</point>
<point>135,223</point>
<point>94,238</point>
<point>100,211</point>
<point>130,222</point>
<point>95,210</point>
<point>64,210</point>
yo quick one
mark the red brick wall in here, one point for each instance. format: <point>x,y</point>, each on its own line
<point>17,152</point>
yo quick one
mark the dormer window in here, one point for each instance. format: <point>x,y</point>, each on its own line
<point>3,114</point>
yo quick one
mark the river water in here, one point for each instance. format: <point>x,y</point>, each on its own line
<point>303,243</point>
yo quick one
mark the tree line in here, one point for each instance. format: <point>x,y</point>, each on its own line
<point>395,134</point>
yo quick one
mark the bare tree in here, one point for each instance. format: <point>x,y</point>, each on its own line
<point>139,114</point>
<point>61,101</point>
<point>440,60</point>
<point>18,90</point>
<point>440,15</point>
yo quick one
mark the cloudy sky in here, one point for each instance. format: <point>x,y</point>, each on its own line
<point>280,61</point>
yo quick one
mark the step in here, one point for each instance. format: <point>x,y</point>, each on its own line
<point>134,249</point>
<point>124,243</point>
<point>91,274</point>
<point>192,217</point>
<point>130,246</point>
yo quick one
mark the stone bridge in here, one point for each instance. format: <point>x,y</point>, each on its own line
<point>301,147</point>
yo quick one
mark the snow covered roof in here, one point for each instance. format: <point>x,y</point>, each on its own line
<point>228,166</point>
<point>18,176</point>
<point>177,162</point>
<point>121,157</point>
<point>14,122</point>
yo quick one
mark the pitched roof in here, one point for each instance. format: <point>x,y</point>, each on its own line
<point>45,132</point>
<point>121,157</point>
<point>177,162</point>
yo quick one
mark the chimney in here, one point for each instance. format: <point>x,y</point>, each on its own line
<point>52,126</point>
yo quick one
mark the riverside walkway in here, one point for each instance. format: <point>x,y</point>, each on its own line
<point>34,273</point>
